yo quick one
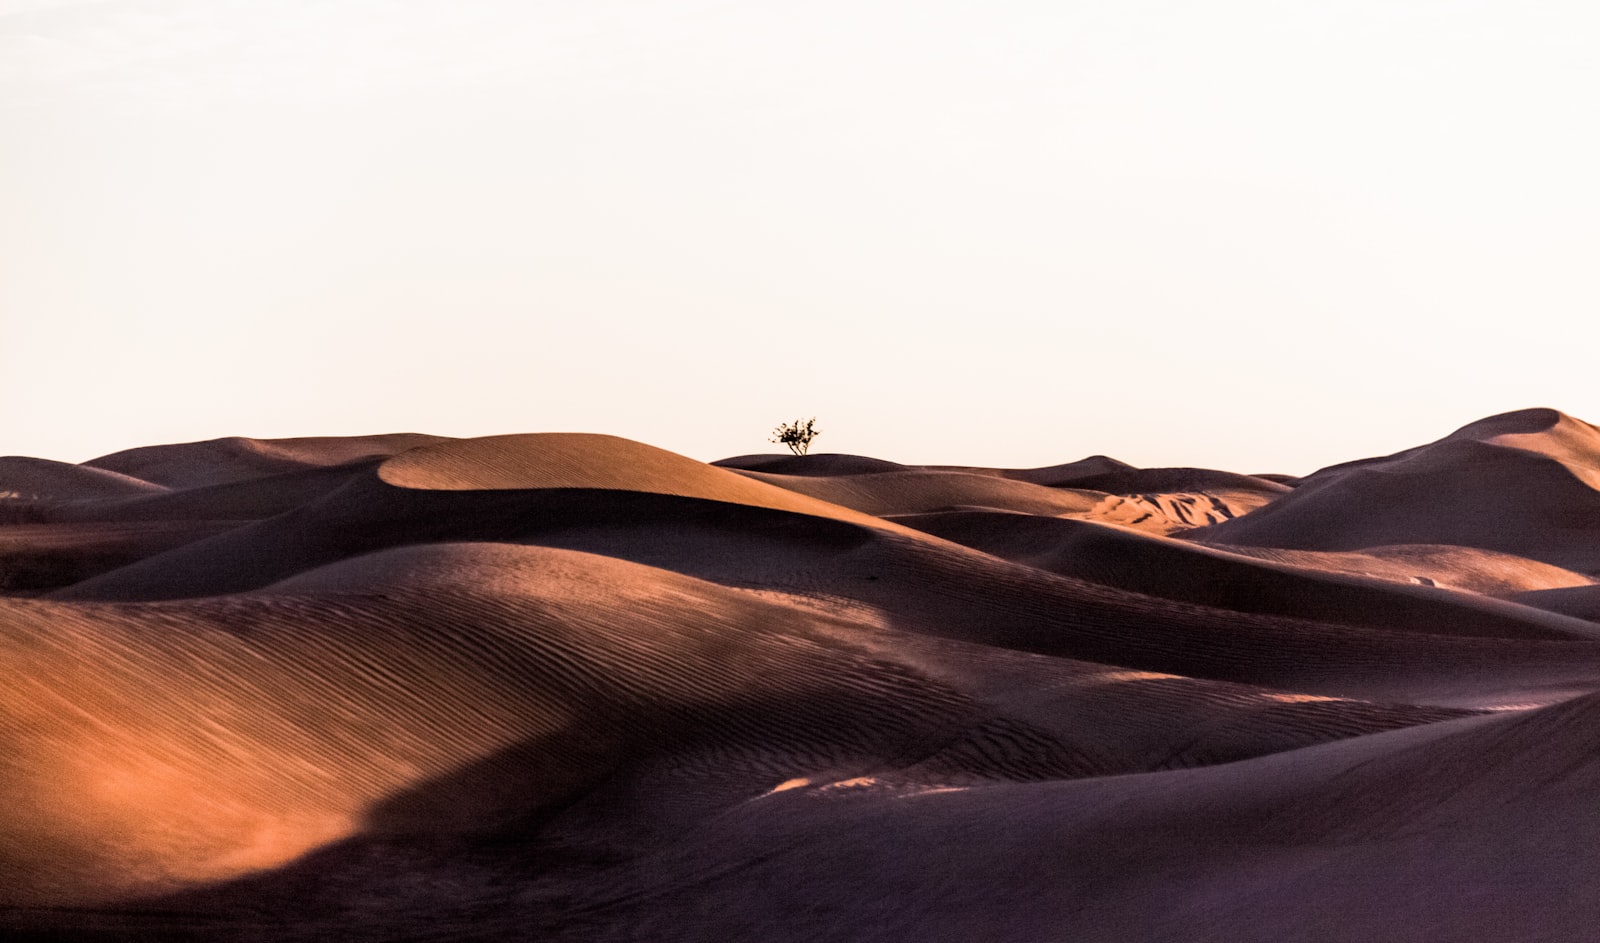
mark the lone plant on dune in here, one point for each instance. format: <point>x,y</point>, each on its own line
<point>797,436</point>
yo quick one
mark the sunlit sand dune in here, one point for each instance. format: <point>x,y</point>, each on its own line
<point>578,688</point>
<point>1523,483</point>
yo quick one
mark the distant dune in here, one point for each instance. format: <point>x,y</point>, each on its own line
<point>1524,483</point>
<point>576,688</point>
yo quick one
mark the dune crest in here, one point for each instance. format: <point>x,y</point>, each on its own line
<point>580,461</point>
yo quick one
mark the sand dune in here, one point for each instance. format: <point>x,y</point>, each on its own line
<point>1582,602</point>
<point>1521,483</point>
<point>573,687</point>
<point>1356,589</point>
<point>909,492</point>
<point>37,478</point>
<point>251,499</point>
<point>221,461</point>
<point>40,557</point>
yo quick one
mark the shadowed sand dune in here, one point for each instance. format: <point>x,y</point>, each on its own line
<point>40,557</point>
<point>573,687</point>
<point>221,461</point>
<point>37,478</point>
<point>1582,602</point>
<point>1357,589</point>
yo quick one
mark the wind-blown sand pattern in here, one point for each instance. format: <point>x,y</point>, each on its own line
<point>576,688</point>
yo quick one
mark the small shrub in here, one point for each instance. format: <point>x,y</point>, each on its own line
<point>796,435</point>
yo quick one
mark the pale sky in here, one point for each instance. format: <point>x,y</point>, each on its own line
<point>1260,236</point>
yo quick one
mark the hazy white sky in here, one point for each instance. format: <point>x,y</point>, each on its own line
<point>1251,235</point>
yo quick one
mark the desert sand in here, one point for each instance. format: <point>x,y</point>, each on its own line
<point>572,687</point>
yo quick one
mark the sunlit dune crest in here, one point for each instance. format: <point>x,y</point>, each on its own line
<point>796,783</point>
<point>1113,677</point>
<point>577,688</point>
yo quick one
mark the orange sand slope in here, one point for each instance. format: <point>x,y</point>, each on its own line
<point>572,687</point>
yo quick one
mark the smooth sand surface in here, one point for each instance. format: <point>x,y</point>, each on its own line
<point>571,687</point>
